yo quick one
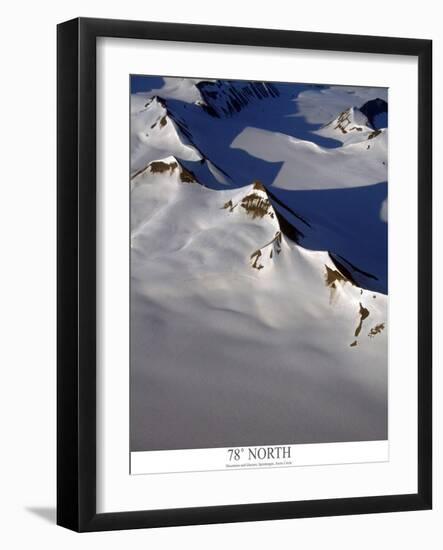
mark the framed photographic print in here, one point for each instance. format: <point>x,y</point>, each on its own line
<point>244,309</point>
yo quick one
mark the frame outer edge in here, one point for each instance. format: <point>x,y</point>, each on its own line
<point>67,281</point>
<point>425,274</point>
<point>76,267</point>
<point>87,284</point>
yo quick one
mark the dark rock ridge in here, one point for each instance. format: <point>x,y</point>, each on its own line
<point>226,98</point>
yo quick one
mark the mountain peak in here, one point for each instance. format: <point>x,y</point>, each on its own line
<point>349,126</point>
<point>156,133</point>
<point>349,120</point>
<point>252,200</point>
<point>167,166</point>
<point>156,99</point>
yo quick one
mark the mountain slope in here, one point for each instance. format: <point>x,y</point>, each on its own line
<point>350,126</point>
<point>154,134</point>
<point>307,144</point>
<point>245,322</point>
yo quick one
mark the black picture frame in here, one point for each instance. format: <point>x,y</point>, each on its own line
<point>76,280</point>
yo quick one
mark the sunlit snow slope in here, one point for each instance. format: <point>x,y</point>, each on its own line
<point>258,264</point>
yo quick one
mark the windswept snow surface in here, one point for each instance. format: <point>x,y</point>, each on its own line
<point>258,265</point>
<point>310,166</point>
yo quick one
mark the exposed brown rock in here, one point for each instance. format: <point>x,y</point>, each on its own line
<point>256,206</point>
<point>376,330</point>
<point>343,122</point>
<point>229,205</point>
<point>374,134</point>
<point>259,186</point>
<point>275,244</point>
<point>186,176</point>
<point>158,166</point>
<point>256,257</point>
<point>364,313</point>
<point>332,275</point>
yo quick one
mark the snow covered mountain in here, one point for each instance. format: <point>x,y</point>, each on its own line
<point>262,131</point>
<point>258,265</point>
<point>154,133</point>
<point>350,126</point>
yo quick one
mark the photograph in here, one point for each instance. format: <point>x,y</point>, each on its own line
<point>258,263</point>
